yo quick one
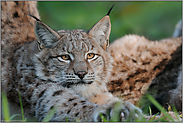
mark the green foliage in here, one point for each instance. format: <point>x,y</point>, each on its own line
<point>153,19</point>
<point>6,112</point>
<point>115,117</point>
<point>5,106</point>
<point>160,108</point>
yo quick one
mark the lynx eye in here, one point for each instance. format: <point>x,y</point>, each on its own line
<point>90,55</point>
<point>65,57</point>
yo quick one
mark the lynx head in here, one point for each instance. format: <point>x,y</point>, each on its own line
<point>76,59</point>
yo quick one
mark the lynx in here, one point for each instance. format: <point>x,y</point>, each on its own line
<point>67,69</point>
<point>49,72</point>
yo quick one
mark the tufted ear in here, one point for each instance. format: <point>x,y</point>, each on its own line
<point>46,36</point>
<point>101,31</point>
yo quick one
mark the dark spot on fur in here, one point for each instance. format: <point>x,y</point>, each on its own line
<point>156,67</point>
<point>76,114</point>
<point>154,54</point>
<point>145,63</point>
<point>144,80</point>
<point>75,104</point>
<point>16,2</point>
<point>51,107</point>
<point>139,71</point>
<point>22,90</point>
<point>43,106</point>
<point>34,103</point>
<point>123,71</point>
<point>84,107</point>
<point>15,15</point>
<point>29,97</point>
<point>161,64</point>
<point>71,99</point>
<point>137,81</point>
<point>61,112</point>
<point>12,26</point>
<point>40,102</point>
<point>131,87</point>
<point>83,102</point>
<point>57,93</point>
<point>134,60</point>
<point>42,92</point>
<point>64,104</point>
<point>69,111</point>
<point>99,83</point>
<point>131,76</point>
<point>37,84</point>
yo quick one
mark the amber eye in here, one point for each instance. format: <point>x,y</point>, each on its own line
<point>65,57</point>
<point>90,55</point>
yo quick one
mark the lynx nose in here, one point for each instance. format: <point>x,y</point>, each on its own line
<point>81,74</point>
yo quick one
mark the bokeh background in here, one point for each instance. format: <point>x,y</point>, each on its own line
<point>154,20</point>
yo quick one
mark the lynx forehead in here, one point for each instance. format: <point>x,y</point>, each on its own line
<point>76,41</point>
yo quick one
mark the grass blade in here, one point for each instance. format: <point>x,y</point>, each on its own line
<point>21,106</point>
<point>116,111</point>
<point>6,113</point>
<point>11,118</point>
<point>49,114</point>
<point>176,113</point>
<point>151,120</point>
<point>159,107</point>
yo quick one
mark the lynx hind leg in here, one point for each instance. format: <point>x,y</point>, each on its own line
<point>119,111</point>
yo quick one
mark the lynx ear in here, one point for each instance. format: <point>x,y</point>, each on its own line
<point>101,31</point>
<point>46,36</point>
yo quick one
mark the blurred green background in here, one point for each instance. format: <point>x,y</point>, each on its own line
<point>154,20</point>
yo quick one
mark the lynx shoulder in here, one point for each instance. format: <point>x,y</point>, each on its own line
<point>64,69</point>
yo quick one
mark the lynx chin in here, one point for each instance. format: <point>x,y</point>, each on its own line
<point>68,69</point>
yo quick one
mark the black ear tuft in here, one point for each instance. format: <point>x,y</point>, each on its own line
<point>110,10</point>
<point>34,17</point>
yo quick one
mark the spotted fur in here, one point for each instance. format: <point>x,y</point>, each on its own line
<point>137,62</point>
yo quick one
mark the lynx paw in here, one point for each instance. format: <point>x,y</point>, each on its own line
<point>120,111</point>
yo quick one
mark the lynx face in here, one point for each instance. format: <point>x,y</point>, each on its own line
<point>75,59</point>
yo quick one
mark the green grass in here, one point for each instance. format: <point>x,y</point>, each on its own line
<point>5,107</point>
<point>159,107</point>
<point>114,118</point>
<point>6,112</point>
